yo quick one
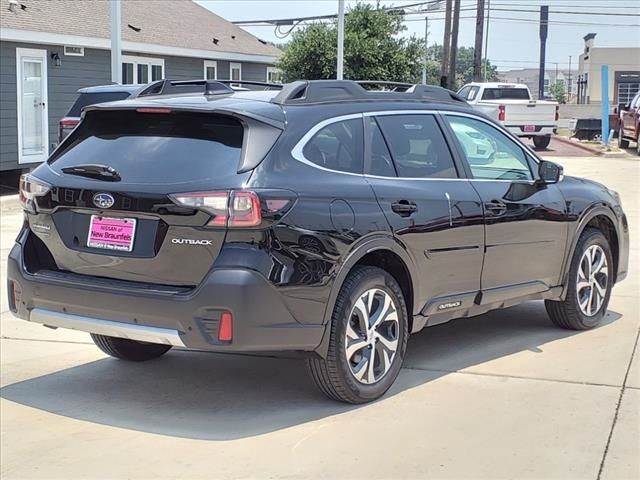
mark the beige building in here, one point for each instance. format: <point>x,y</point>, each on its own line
<point>624,72</point>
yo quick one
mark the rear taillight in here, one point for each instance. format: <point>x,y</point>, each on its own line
<point>66,127</point>
<point>227,208</point>
<point>557,112</point>
<point>30,188</point>
<point>501,113</point>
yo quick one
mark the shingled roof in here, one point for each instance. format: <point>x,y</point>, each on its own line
<point>172,23</point>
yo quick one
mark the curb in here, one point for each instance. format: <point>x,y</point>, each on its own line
<point>586,148</point>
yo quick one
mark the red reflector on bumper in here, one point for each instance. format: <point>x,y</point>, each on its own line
<point>225,331</point>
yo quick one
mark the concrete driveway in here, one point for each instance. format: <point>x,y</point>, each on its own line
<point>504,395</point>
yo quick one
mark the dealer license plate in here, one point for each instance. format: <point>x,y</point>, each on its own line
<point>111,233</point>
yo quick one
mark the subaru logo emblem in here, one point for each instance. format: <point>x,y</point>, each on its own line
<point>103,200</point>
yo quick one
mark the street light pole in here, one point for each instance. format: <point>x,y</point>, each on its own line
<point>116,41</point>
<point>426,50</point>
<point>486,41</point>
<point>340,66</point>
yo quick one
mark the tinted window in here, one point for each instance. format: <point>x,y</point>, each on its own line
<point>92,98</point>
<point>155,148</point>
<point>489,152</point>
<point>381,162</point>
<point>417,146</point>
<point>337,146</point>
<point>505,93</point>
<point>468,93</point>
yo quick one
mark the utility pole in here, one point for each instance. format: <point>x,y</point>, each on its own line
<point>477,48</point>
<point>340,66</point>
<point>454,45</point>
<point>116,41</point>
<point>544,29</point>
<point>446,44</point>
<point>569,82</point>
<point>486,41</point>
<point>426,50</point>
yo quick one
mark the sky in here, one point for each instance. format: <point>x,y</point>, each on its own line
<point>513,36</point>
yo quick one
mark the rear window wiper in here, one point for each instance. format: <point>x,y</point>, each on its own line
<point>98,172</point>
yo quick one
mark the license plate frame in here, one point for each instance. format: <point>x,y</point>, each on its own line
<point>529,128</point>
<point>120,226</point>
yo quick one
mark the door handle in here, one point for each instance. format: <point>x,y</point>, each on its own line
<point>496,206</point>
<point>404,208</point>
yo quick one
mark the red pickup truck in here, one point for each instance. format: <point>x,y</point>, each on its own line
<point>629,128</point>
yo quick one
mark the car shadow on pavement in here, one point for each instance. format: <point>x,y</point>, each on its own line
<point>223,397</point>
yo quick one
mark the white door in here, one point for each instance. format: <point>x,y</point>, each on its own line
<point>33,128</point>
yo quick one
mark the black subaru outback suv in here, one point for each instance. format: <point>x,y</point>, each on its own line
<point>326,218</point>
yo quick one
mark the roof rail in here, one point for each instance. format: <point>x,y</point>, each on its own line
<point>277,86</point>
<point>166,87</point>
<point>329,91</point>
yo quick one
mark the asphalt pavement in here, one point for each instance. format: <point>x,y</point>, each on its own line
<point>502,395</point>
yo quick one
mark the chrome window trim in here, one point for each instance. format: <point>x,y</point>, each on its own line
<point>296,151</point>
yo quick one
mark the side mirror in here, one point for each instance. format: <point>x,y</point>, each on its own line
<point>549,172</point>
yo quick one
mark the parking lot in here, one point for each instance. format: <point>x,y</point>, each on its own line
<point>503,395</point>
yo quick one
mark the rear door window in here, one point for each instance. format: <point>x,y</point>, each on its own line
<point>92,98</point>
<point>176,147</point>
<point>417,146</point>
<point>469,92</point>
<point>337,146</point>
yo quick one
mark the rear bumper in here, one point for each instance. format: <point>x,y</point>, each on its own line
<point>261,321</point>
<point>518,130</point>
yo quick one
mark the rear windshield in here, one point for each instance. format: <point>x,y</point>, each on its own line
<point>505,93</point>
<point>92,98</point>
<point>176,147</point>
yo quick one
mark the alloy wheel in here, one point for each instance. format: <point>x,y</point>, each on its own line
<point>593,280</point>
<point>372,336</point>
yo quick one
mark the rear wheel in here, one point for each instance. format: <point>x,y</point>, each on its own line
<point>541,143</point>
<point>590,283</point>
<point>368,338</point>
<point>131,350</point>
<point>622,142</point>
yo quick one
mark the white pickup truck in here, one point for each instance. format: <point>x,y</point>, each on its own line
<point>511,104</point>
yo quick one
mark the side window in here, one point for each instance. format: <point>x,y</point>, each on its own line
<point>337,146</point>
<point>472,93</point>
<point>381,163</point>
<point>469,92</point>
<point>417,146</point>
<point>489,152</point>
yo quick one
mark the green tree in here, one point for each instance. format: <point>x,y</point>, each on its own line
<point>558,92</point>
<point>373,49</point>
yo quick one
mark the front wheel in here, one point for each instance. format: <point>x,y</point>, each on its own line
<point>126,349</point>
<point>368,338</point>
<point>590,282</point>
<point>541,143</point>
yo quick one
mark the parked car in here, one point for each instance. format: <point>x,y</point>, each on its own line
<point>323,219</point>
<point>629,125</point>
<point>514,107</point>
<point>89,96</point>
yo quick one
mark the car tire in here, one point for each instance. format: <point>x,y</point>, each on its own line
<point>130,350</point>
<point>622,142</point>
<point>586,303</point>
<point>344,375</point>
<point>541,142</point>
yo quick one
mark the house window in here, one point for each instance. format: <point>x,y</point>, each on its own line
<point>235,72</point>
<point>139,70</point>
<point>210,70</point>
<point>274,75</point>
<point>73,51</point>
